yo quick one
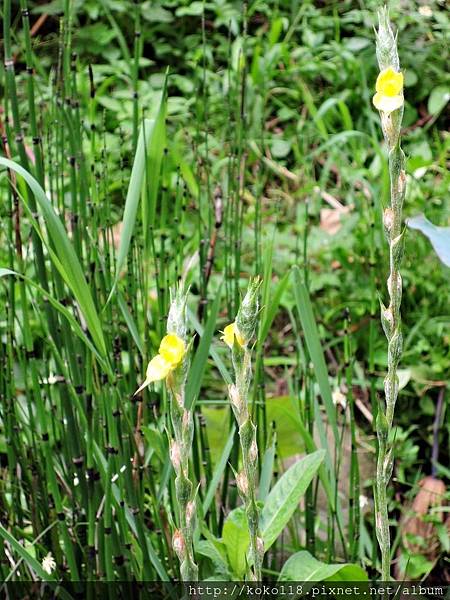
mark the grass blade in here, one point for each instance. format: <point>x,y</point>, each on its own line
<point>308,322</point>
<point>60,308</point>
<point>198,365</point>
<point>64,256</point>
<point>218,471</point>
<point>22,552</point>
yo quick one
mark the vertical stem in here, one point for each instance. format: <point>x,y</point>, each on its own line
<point>242,334</point>
<point>391,319</point>
<point>180,447</point>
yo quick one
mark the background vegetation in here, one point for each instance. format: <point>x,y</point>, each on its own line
<point>261,152</point>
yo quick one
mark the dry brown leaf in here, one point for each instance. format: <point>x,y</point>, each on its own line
<point>330,219</point>
<point>413,524</point>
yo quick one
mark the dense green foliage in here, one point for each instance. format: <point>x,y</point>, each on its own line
<point>210,142</point>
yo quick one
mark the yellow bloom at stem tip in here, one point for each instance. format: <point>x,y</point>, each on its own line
<point>172,349</point>
<point>389,90</point>
<point>171,352</point>
<point>229,333</point>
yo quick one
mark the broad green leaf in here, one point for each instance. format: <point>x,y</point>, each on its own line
<point>194,9</point>
<point>414,566</point>
<point>284,497</point>
<point>410,78</point>
<point>355,44</point>
<point>63,255</point>
<point>306,314</point>
<point>236,538</point>
<point>438,236</point>
<point>302,566</point>
<point>215,551</point>
<point>294,419</point>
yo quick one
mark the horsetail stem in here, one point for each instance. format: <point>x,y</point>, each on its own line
<point>386,48</point>
<point>239,336</point>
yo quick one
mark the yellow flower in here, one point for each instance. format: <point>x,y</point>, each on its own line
<point>172,349</point>
<point>229,333</point>
<point>171,352</point>
<point>389,88</point>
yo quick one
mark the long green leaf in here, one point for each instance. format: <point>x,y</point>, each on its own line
<point>266,472</point>
<point>132,327</point>
<point>301,566</point>
<point>133,196</point>
<point>147,163</point>
<point>310,446</point>
<point>305,311</point>
<point>270,310</point>
<point>60,308</point>
<point>155,151</point>
<point>236,537</point>
<point>63,255</point>
<point>218,471</point>
<point>22,552</point>
<point>284,497</point>
<point>198,365</point>
<point>213,351</point>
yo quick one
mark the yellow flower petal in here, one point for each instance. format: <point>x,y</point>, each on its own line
<point>389,82</point>
<point>158,369</point>
<point>172,349</point>
<point>229,333</point>
<point>387,103</point>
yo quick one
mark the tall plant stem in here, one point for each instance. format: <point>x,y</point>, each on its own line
<point>243,331</point>
<point>180,447</point>
<point>390,316</point>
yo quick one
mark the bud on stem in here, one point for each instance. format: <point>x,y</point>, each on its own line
<point>180,447</point>
<point>386,49</point>
<point>246,323</point>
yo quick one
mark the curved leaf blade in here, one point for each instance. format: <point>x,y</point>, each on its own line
<point>60,308</point>
<point>302,566</point>
<point>284,497</point>
<point>236,538</point>
<point>64,256</point>
<point>25,555</point>
<point>312,338</point>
